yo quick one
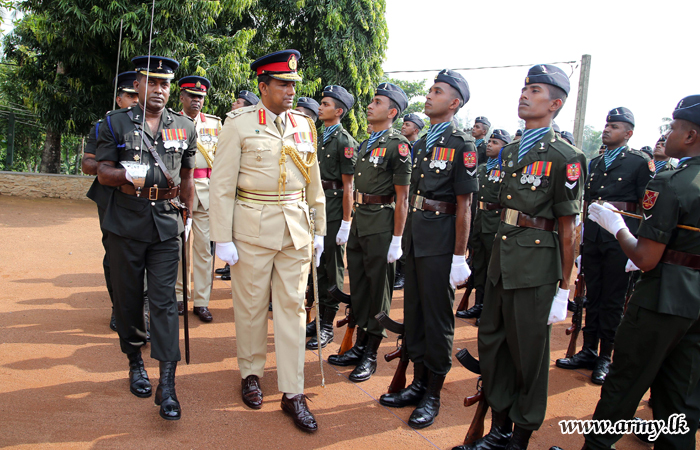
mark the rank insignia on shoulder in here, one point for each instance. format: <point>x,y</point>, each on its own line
<point>404,150</point>
<point>650,198</point>
<point>349,152</point>
<point>291,118</point>
<point>573,171</point>
<point>262,120</point>
<point>652,166</point>
<point>470,160</point>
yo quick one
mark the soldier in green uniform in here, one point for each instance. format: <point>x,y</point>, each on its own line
<point>308,106</point>
<point>382,177</point>
<point>661,159</point>
<point>144,224</point>
<point>618,176</point>
<point>658,341</point>
<point>336,158</point>
<point>531,262</point>
<point>568,137</point>
<point>488,216</point>
<point>479,132</point>
<point>126,96</point>
<point>442,182</point>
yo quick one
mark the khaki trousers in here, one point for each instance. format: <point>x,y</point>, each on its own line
<point>199,255</point>
<point>284,271</point>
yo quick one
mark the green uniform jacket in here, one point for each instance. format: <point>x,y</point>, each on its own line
<point>97,193</point>
<point>337,157</point>
<point>481,151</point>
<point>433,234</point>
<point>129,216</point>
<point>379,179</point>
<point>489,186</point>
<point>672,198</point>
<point>529,257</point>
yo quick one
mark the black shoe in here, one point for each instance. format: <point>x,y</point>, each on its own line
<point>585,359</point>
<point>368,363</point>
<point>475,311</point>
<point>602,364</point>
<point>269,307</point>
<point>400,278</point>
<point>311,326</point>
<point>226,276</point>
<point>165,393</point>
<point>644,437</point>
<point>223,270</point>
<point>412,394</point>
<point>498,437</point>
<point>327,318</point>
<point>139,384</point>
<point>113,322</point>
<point>520,439</point>
<point>429,407</point>
<point>353,356</point>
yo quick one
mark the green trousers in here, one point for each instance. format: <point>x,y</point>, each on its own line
<point>332,269</point>
<point>657,351</point>
<point>481,245</point>
<point>371,279</point>
<point>514,351</point>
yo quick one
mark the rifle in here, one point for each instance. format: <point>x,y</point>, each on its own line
<point>399,381</point>
<point>579,299</point>
<point>348,320</point>
<point>469,285</point>
<point>476,429</point>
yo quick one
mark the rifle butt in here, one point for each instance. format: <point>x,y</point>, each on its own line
<point>571,351</point>
<point>347,340</point>
<point>399,381</point>
<point>476,429</point>
<point>465,300</point>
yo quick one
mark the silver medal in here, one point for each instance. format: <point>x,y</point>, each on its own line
<point>432,164</point>
<point>530,178</point>
<point>523,179</point>
<point>537,181</point>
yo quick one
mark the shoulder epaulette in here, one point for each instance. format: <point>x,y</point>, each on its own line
<point>294,111</point>
<point>212,116</point>
<point>567,150</point>
<point>176,112</point>
<point>461,134</point>
<point>239,111</point>
<point>639,153</point>
<point>118,111</point>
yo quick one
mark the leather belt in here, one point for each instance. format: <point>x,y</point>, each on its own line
<point>487,206</point>
<point>153,193</point>
<point>331,185</point>
<point>426,204</point>
<point>520,219</point>
<point>681,259</point>
<point>369,199</point>
<point>630,207</point>
<point>202,173</point>
<point>269,197</point>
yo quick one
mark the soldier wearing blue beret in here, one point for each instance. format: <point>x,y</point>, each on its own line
<point>336,157</point>
<point>619,176</point>
<point>540,192</point>
<point>662,162</point>
<point>568,137</point>
<point>382,176</point>
<point>442,183</point>
<point>411,128</point>
<point>308,106</point>
<point>245,98</point>
<point>479,132</point>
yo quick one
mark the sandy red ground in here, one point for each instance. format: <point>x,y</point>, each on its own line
<point>63,379</point>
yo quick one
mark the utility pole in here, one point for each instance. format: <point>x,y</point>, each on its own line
<point>580,118</point>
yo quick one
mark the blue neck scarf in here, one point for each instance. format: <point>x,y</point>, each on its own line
<point>328,131</point>
<point>434,133</point>
<point>529,139</point>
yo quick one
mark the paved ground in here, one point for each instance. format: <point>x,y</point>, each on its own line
<point>63,380</point>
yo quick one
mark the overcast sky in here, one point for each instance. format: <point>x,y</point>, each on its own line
<point>644,57</point>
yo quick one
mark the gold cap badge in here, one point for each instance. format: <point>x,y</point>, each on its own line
<point>293,63</point>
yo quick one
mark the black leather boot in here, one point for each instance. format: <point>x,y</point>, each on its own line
<point>311,326</point>
<point>113,321</point>
<point>368,363</point>
<point>429,407</point>
<point>139,385</point>
<point>474,311</point>
<point>498,437</point>
<point>585,359</point>
<point>602,364</point>
<point>165,394</point>
<point>412,394</point>
<point>399,278</point>
<point>520,438</point>
<point>327,318</point>
<point>351,357</point>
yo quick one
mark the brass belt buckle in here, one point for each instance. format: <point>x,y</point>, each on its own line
<point>151,195</point>
<point>358,200</point>
<point>418,202</point>
<point>482,205</point>
<point>511,217</point>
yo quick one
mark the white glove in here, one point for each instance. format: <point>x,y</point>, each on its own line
<point>558,311</point>
<point>128,177</point>
<point>606,218</point>
<point>459,272</point>
<point>188,228</point>
<point>577,263</point>
<point>227,252</point>
<point>318,248</point>
<point>394,250</point>
<point>343,233</point>
<point>630,267</point>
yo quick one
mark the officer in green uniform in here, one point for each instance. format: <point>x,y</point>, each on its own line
<point>658,341</point>
<point>479,132</point>
<point>126,96</point>
<point>336,157</point>
<point>618,176</point>
<point>661,159</point>
<point>531,262</point>
<point>488,216</point>
<point>442,182</point>
<point>144,223</point>
<point>382,177</point>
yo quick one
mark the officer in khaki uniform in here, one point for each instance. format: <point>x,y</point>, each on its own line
<point>144,222</point>
<point>382,177</point>
<point>533,255</point>
<point>260,221</point>
<point>443,179</point>
<point>336,158</point>
<point>488,217</point>
<point>658,342</point>
<point>193,89</point>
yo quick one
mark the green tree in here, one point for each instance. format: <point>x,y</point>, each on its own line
<point>591,141</point>
<point>665,125</point>
<point>415,91</point>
